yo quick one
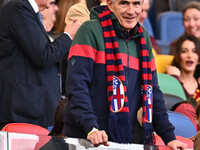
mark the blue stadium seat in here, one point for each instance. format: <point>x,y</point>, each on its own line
<point>170,25</point>
<point>148,27</point>
<point>164,45</point>
<point>183,125</point>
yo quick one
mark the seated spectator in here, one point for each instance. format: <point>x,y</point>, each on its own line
<point>191,22</point>
<point>188,107</point>
<point>186,58</point>
<point>145,9</point>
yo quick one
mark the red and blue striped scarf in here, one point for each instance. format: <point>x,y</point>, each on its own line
<point>119,129</point>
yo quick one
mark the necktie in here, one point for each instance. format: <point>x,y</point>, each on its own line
<point>40,17</point>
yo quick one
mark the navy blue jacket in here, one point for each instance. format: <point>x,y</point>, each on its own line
<point>87,86</point>
<point>29,70</point>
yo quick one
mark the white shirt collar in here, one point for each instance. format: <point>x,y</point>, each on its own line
<point>34,5</point>
<point>103,3</point>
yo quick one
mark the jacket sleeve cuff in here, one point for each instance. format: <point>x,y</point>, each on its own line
<point>168,137</point>
<point>89,125</point>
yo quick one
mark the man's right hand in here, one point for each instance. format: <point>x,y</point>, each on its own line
<point>98,137</point>
<point>72,27</point>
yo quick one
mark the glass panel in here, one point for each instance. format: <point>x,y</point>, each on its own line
<point>3,140</point>
<point>18,141</point>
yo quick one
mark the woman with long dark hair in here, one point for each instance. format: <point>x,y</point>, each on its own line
<point>186,58</point>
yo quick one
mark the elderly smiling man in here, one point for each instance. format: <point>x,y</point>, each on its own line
<point>111,74</point>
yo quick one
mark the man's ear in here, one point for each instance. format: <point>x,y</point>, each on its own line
<point>109,4</point>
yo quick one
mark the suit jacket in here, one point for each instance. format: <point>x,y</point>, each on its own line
<point>29,66</point>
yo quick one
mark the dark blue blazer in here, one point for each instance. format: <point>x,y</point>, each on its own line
<point>29,66</point>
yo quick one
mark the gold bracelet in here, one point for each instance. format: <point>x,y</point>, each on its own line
<point>93,129</point>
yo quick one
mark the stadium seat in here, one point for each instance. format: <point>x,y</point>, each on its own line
<point>25,128</point>
<point>171,100</point>
<point>164,45</point>
<point>162,61</point>
<point>159,142</point>
<point>148,27</point>
<point>170,25</point>
<point>170,85</point>
<point>183,125</point>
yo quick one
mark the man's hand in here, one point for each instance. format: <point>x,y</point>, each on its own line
<point>177,145</point>
<point>98,137</point>
<point>72,27</point>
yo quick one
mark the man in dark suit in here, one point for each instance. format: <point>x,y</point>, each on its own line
<point>29,63</point>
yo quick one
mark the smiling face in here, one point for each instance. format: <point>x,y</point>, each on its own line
<point>191,22</point>
<point>188,56</point>
<point>127,11</point>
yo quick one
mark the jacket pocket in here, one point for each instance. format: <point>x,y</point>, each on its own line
<point>27,102</point>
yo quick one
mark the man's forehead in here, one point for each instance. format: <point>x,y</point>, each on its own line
<point>52,1</point>
<point>129,0</point>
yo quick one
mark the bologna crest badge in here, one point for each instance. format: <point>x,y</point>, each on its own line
<point>148,104</point>
<point>118,95</point>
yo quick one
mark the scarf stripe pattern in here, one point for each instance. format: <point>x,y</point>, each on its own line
<point>146,90</point>
<point>119,130</point>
